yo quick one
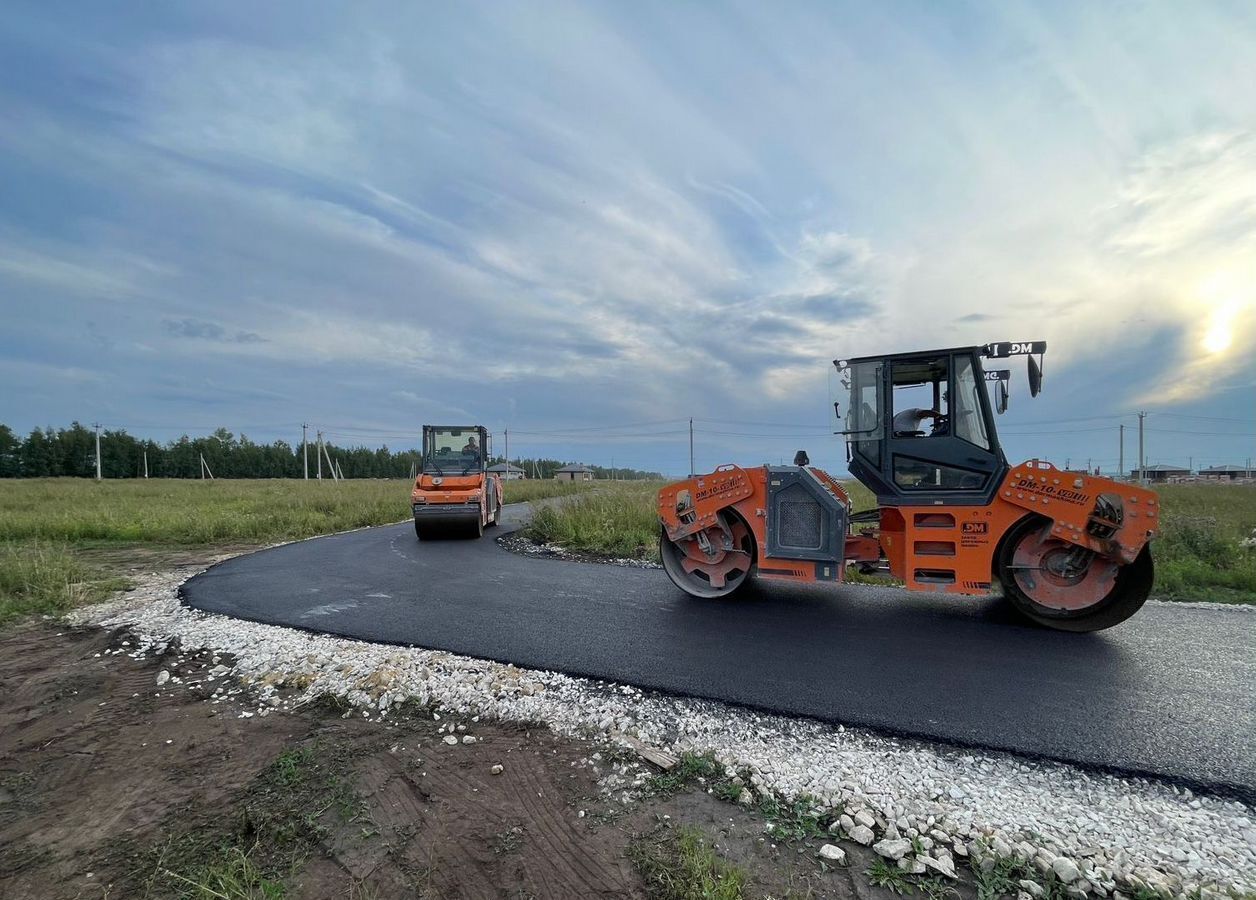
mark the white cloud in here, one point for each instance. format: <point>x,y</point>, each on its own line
<point>73,269</point>
<point>1194,195</point>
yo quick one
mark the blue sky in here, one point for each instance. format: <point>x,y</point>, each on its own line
<point>589,222</point>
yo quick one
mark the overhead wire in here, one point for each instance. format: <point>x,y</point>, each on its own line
<point>1202,418</point>
<point>761,424</point>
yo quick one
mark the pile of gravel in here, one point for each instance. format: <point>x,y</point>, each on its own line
<point>1100,834</point>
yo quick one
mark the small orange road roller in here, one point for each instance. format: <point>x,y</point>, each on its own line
<point>1070,550</point>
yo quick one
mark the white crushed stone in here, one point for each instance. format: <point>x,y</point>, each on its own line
<point>1203,604</point>
<point>1117,833</point>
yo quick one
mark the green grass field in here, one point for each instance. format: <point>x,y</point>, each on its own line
<point>617,519</point>
<point>1198,556</point>
<point>55,532</point>
<point>526,491</point>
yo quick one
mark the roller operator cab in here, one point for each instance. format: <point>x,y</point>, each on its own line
<point>1069,550</point>
<point>455,493</point>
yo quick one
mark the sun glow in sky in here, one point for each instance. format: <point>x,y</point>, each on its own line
<point>1228,300</point>
<point>577,215</point>
<point>1220,333</point>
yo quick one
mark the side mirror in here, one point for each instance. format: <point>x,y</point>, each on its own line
<point>801,458</point>
<point>1035,377</point>
<point>1001,395</point>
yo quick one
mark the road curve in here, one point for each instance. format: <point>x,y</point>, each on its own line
<point>1170,693</point>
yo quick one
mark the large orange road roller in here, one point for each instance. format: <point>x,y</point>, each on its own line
<point>1070,550</point>
<point>454,492</point>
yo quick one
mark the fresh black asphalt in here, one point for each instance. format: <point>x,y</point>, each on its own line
<point>1171,692</point>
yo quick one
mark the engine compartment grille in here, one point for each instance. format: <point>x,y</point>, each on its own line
<point>799,519</point>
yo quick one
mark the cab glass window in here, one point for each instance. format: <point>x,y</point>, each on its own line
<point>969,418</point>
<point>452,451</point>
<point>863,409</point>
<point>927,475</point>
<point>919,402</point>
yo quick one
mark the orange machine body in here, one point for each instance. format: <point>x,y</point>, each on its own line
<point>478,491</point>
<point>954,549</point>
<point>949,549</point>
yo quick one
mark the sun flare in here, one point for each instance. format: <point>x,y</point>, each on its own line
<point>1224,295</point>
<point>1220,333</point>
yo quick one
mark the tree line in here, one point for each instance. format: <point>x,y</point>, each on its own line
<point>71,452</point>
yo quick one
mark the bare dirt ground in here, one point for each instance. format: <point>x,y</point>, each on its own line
<point>112,785</point>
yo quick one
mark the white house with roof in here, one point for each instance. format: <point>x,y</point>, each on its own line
<point>574,472</point>
<point>1226,473</point>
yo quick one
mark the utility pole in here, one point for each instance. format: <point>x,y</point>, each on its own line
<point>330,465</point>
<point>305,450</point>
<point>145,463</point>
<point>506,431</point>
<point>1142,459</point>
<point>319,454</point>
<point>1120,466</point>
<point>691,447</point>
<point>612,468</point>
<point>96,425</point>
<point>1087,465</point>
<point>1190,465</point>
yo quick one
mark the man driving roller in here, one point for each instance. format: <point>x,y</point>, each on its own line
<point>907,422</point>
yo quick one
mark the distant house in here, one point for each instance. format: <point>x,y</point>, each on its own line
<point>574,473</point>
<point>508,472</point>
<point>1226,473</point>
<point>1160,473</point>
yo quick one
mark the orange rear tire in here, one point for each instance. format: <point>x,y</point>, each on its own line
<point>1029,594</point>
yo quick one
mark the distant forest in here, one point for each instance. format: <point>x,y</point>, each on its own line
<point>71,452</point>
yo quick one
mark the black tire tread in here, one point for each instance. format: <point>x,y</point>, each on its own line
<point>1132,588</point>
<point>664,543</point>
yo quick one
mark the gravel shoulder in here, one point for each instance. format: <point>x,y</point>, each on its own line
<point>133,768</point>
<point>1108,835</point>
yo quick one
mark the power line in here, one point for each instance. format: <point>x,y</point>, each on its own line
<point>1208,433</point>
<point>583,437</point>
<point>619,427</point>
<point>1203,418</point>
<point>762,424</point>
<point>1013,431</point>
<point>1108,418</point>
<point>758,435</point>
